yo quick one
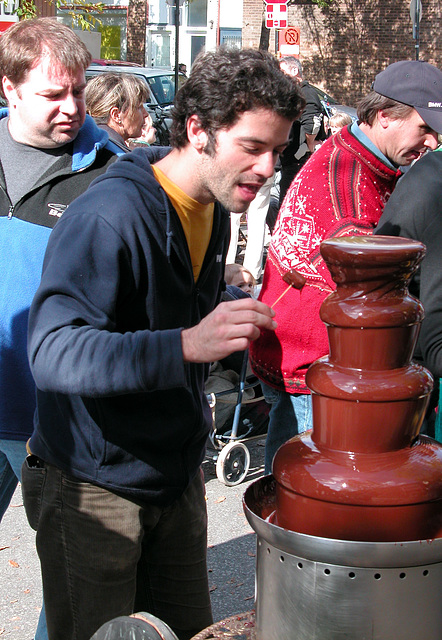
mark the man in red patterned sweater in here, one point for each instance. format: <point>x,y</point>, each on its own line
<point>342,190</point>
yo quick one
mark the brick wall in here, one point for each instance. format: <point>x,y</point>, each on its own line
<point>343,46</point>
<point>253,16</point>
<point>136,31</point>
<point>45,9</point>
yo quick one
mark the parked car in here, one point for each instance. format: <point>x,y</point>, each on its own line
<point>119,63</point>
<point>331,106</point>
<point>161,85</point>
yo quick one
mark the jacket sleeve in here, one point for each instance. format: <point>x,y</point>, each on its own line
<point>75,343</point>
<point>311,117</point>
<point>415,211</point>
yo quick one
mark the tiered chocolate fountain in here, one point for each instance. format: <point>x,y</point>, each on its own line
<point>350,524</point>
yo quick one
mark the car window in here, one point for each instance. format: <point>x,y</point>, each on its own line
<point>163,88</point>
<point>161,85</point>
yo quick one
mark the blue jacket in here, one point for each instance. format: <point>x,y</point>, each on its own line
<point>117,405</point>
<point>24,232</point>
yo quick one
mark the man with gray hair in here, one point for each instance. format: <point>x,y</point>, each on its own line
<point>341,191</point>
<point>306,132</point>
<point>49,154</point>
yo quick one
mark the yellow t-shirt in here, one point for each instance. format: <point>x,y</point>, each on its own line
<point>196,220</point>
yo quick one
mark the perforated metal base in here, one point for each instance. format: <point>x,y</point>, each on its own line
<point>299,599</point>
<point>310,588</point>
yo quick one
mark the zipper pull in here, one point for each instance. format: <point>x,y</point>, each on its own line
<point>11,211</point>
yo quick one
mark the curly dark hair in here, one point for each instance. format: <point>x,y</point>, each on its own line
<point>225,83</point>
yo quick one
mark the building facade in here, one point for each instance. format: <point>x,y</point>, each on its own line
<point>145,32</point>
<point>204,24</point>
<point>342,43</point>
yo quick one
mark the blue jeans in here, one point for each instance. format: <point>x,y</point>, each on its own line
<point>290,414</point>
<point>12,455</point>
<point>103,555</point>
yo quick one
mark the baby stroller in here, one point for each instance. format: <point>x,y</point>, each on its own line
<point>239,413</point>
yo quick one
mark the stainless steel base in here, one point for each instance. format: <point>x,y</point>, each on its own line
<point>311,588</point>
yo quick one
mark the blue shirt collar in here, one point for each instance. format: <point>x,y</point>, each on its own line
<point>365,140</point>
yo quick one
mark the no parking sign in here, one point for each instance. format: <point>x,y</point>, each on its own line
<point>289,40</point>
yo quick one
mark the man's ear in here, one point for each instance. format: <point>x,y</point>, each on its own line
<point>9,90</point>
<point>383,118</point>
<point>196,135</point>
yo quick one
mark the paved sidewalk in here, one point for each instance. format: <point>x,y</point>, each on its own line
<point>231,554</point>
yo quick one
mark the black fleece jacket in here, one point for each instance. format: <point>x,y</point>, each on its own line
<point>304,124</point>
<point>117,406</point>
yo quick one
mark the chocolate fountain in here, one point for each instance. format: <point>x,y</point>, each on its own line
<point>350,524</point>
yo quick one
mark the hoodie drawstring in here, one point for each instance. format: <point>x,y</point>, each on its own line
<point>169,233</point>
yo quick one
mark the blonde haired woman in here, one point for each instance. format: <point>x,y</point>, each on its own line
<point>116,103</point>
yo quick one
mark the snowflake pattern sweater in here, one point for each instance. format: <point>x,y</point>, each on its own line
<point>341,191</point>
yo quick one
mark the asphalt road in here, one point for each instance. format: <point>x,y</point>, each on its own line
<point>231,554</point>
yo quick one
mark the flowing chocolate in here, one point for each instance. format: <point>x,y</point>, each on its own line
<point>363,472</point>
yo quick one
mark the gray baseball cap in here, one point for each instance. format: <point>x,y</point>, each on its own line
<point>416,83</point>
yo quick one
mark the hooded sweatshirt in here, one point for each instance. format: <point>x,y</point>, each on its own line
<point>117,405</point>
<point>24,232</point>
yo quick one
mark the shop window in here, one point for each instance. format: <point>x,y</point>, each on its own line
<point>160,49</point>
<point>231,38</point>
<point>197,13</point>
<point>110,42</point>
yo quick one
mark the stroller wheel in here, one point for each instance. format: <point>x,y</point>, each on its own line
<point>233,463</point>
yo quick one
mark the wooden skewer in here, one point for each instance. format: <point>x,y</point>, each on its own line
<point>293,279</point>
<point>281,296</point>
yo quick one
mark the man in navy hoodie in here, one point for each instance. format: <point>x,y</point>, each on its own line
<point>122,328</point>
<point>49,154</point>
